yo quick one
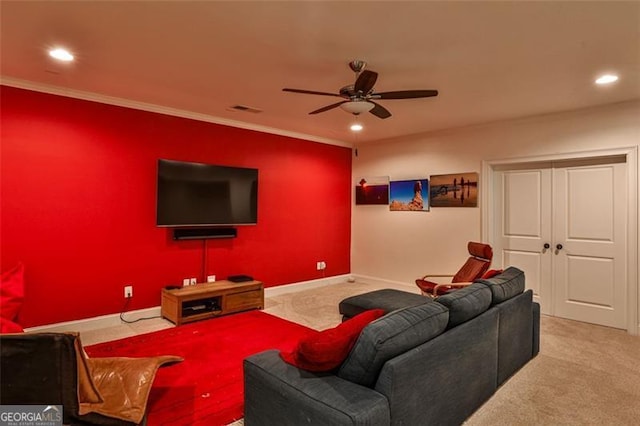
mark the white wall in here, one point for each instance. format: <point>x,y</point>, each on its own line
<point>400,246</point>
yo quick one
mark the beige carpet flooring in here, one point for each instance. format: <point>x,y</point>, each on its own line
<point>584,375</point>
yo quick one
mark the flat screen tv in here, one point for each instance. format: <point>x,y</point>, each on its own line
<point>196,194</point>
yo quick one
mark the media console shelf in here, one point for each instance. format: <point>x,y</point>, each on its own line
<point>207,300</point>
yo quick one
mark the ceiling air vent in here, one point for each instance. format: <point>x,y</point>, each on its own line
<point>245,108</point>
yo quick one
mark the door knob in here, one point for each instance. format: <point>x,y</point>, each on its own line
<point>546,246</point>
<point>559,246</point>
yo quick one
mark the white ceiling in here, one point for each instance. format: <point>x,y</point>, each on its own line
<point>489,60</point>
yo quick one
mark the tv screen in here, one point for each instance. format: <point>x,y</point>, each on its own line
<point>196,194</point>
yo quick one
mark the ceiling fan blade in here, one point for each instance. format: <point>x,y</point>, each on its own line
<point>380,111</point>
<point>405,94</point>
<point>365,81</point>
<point>328,107</point>
<point>310,92</point>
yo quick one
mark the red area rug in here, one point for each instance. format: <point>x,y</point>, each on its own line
<point>207,387</point>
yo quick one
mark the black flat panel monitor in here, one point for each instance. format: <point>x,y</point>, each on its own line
<point>197,194</point>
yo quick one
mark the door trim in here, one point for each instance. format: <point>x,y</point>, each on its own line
<point>631,155</point>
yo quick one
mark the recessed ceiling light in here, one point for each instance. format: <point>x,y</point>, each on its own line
<point>607,79</point>
<point>61,54</point>
<point>356,127</point>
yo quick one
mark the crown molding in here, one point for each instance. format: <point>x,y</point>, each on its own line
<point>142,106</point>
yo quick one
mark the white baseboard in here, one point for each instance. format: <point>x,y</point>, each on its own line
<point>94,323</point>
<point>305,285</point>
<point>383,282</point>
<point>113,320</point>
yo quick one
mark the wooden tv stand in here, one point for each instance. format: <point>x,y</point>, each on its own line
<point>207,300</point>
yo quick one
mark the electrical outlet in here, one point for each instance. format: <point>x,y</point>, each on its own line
<point>211,278</point>
<point>128,291</point>
<point>320,266</point>
<point>185,282</point>
<point>193,281</point>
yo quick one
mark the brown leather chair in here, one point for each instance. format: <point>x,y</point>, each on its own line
<point>52,369</point>
<point>475,266</point>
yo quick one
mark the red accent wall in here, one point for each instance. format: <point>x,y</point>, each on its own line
<point>78,183</point>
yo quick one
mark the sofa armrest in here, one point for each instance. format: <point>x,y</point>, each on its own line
<point>516,334</point>
<point>536,329</point>
<point>279,394</point>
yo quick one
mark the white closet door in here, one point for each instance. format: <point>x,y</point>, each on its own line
<point>564,225</point>
<point>523,225</point>
<point>590,243</point>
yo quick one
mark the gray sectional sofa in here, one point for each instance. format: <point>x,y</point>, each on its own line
<point>431,363</point>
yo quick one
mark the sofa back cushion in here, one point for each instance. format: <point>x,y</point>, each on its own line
<point>506,285</point>
<point>466,303</point>
<point>389,336</point>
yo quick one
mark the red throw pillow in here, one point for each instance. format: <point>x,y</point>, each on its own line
<point>491,273</point>
<point>326,350</point>
<point>7,326</point>
<point>11,292</point>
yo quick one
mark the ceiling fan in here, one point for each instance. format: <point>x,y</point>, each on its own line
<point>359,97</point>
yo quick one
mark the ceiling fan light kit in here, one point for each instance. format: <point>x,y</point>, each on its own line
<point>358,98</point>
<point>357,107</point>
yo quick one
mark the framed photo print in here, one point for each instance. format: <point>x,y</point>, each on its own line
<point>409,195</point>
<point>454,190</point>
<point>372,190</point>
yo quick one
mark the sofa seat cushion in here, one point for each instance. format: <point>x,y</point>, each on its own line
<point>506,285</point>
<point>466,303</point>
<point>389,336</point>
<point>326,350</point>
<point>386,299</point>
